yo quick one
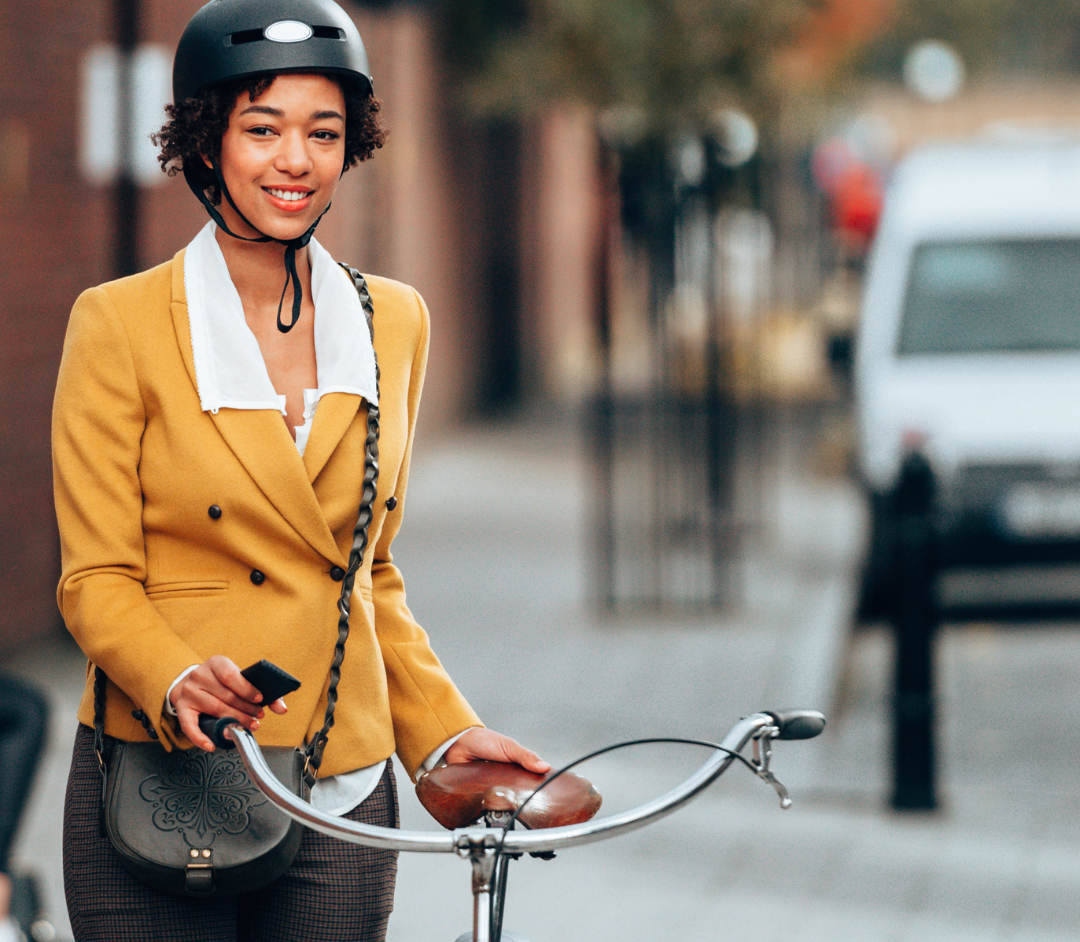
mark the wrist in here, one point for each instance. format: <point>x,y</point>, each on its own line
<point>173,693</point>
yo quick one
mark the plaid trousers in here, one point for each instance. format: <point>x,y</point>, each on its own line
<point>332,892</point>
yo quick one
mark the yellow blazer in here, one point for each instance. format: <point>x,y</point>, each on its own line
<point>152,584</point>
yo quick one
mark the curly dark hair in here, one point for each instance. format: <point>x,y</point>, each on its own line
<point>197,125</point>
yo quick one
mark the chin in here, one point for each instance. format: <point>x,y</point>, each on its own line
<point>288,233</point>
<point>284,231</point>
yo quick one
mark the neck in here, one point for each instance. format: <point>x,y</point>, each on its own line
<point>257,270</point>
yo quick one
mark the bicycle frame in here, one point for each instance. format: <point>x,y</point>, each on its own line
<point>483,845</point>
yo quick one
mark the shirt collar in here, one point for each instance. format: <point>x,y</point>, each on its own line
<point>230,372</point>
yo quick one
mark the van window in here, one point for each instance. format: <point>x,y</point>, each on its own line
<point>1007,295</point>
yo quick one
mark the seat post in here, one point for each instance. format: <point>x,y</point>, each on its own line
<point>480,846</point>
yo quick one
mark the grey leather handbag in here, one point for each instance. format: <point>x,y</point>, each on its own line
<point>192,822</point>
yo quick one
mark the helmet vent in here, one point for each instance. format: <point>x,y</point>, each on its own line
<point>329,32</point>
<point>246,36</point>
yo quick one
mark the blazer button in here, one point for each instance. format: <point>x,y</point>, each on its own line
<point>258,577</point>
<point>215,512</point>
<point>391,503</point>
<point>337,574</point>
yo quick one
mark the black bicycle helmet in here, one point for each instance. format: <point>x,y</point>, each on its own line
<point>231,39</point>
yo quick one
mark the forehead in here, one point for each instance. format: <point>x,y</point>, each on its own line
<point>300,92</point>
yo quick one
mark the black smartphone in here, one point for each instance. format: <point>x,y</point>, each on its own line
<point>272,682</point>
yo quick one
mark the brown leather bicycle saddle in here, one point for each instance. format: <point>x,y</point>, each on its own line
<point>459,794</point>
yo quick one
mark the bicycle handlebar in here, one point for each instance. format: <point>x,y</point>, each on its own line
<point>797,724</point>
<point>788,724</point>
<point>213,728</point>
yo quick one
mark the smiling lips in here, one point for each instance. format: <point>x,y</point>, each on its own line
<point>288,196</point>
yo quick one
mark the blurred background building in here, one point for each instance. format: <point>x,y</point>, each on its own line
<point>627,207</point>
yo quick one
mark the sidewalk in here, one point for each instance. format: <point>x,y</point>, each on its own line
<point>495,555</point>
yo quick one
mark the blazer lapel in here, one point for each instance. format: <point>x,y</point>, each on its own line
<point>261,442</point>
<point>333,416</point>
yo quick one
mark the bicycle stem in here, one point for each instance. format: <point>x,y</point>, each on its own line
<point>483,854</point>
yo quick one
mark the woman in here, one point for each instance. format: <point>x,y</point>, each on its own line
<point>209,442</point>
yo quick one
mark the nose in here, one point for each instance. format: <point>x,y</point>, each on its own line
<point>294,155</point>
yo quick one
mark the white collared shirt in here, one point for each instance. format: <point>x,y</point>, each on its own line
<point>229,369</point>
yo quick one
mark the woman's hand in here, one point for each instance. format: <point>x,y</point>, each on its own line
<point>217,687</point>
<point>487,744</point>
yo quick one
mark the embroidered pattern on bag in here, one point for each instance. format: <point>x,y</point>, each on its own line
<point>201,796</point>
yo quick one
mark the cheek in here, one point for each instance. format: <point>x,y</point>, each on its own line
<point>331,165</point>
<point>228,159</point>
<point>238,164</point>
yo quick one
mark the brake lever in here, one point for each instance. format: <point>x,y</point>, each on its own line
<point>760,761</point>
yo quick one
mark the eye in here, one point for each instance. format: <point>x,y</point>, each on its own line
<point>260,130</point>
<point>325,135</point>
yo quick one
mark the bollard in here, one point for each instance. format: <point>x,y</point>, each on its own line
<point>915,625</point>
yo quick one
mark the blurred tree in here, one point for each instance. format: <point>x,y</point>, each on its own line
<point>823,51</point>
<point>1010,36</point>
<point>672,62</point>
<point>668,63</point>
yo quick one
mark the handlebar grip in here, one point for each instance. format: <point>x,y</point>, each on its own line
<point>797,724</point>
<point>213,727</point>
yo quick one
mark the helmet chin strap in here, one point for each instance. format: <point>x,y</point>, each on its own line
<point>291,245</point>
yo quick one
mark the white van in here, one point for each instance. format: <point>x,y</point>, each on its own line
<point>969,349</point>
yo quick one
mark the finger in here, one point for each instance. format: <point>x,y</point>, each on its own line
<point>189,725</point>
<point>203,701</point>
<point>215,698</point>
<point>278,706</point>
<point>228,674</point>
<point>526,758</point>
<point>532,762</point>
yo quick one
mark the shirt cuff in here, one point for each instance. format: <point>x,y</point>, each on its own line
<point>438,756</point>
<point>170,710</point>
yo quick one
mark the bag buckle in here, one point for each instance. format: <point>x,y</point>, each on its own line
<point>199,873</point>
<point>310,773</point>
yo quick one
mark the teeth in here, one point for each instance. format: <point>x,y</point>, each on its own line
<point>290,195</point>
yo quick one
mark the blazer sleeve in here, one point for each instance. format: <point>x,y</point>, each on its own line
<point>426,706</point>
<point>98,422</point>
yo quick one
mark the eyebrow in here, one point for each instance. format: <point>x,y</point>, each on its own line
<point>278,113</point>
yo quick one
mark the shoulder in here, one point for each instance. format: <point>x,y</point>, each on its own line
<point>401,316</point>
<point>122,322</point>
<point>154,283</point>
<point>395,297</point>
<point>133,297</point>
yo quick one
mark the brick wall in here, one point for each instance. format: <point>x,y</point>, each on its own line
<point>50,232</point>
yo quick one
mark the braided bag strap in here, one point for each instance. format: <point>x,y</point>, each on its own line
<point>360,541</point>
<point>100,682</point>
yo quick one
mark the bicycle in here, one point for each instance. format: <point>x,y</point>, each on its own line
<point>471,792</point>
